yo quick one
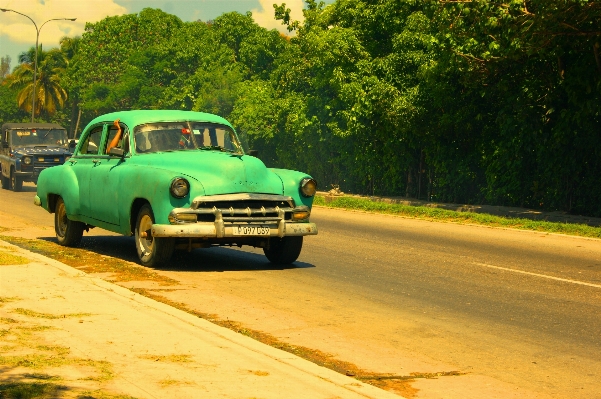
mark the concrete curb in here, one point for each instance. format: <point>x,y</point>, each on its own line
<point>303,366</point>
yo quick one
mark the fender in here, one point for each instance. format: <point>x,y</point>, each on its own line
<point>154,190</point>
<point>60,180</point>
<point>291,180</point>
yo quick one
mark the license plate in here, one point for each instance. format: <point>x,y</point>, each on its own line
<point>251,230</point>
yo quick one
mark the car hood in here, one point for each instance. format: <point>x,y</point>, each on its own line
<point>42,150</point>
<point>219,172</point>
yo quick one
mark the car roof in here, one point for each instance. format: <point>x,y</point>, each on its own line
<point>29,125</point>
<point>138,117</point>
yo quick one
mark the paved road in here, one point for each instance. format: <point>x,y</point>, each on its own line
<point>518,312</point>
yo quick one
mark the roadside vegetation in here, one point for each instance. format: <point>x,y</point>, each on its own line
<point>444,215</point>
<point>8,258</point>
<point>473,102</point>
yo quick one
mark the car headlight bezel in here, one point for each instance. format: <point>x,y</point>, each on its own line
<point>179,187</point>
<point>308,187</point>
<point>27,160</point>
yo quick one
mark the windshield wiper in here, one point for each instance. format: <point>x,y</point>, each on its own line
<point>48,132</point>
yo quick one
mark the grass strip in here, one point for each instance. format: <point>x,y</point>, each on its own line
<point>30,390</point>
<point>445,215</point>
<point>91,262</point>
<point>32,313</point>
<point>38,361</point>
<point>7,258</point>
<point>168,358</point>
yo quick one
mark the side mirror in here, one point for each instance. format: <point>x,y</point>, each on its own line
<point>72,145</point>
<point>118,152</point>
<point>253,153</point>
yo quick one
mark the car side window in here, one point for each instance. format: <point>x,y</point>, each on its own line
<point>92,142</point>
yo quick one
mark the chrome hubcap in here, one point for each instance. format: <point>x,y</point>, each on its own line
<point>145,243</point>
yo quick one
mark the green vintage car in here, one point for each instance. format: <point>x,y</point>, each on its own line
<point>176,180</point>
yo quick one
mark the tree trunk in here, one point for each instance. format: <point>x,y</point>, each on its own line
<point>72,130</point>
<point>77,124</point>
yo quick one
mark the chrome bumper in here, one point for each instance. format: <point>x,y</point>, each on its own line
<point>220,230</point>
<point>229,212</point>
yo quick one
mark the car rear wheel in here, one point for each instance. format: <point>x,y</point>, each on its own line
<point>16,183</point>
<point>68,232</point>
<point>284,251</point>
<point>152,251</point>
<point>5,182</point>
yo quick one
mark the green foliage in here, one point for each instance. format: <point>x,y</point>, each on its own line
<point>456,101</point>
<point>9,110</point>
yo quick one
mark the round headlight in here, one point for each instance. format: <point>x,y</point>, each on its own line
<point>27,160</point>
<point>179,187</point>
<point>308,187</point>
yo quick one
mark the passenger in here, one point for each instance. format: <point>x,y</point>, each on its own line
<point>117,137</point>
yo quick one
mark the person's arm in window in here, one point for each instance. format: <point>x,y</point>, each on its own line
<point>117,137</point>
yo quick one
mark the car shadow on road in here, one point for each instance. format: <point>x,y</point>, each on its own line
<point>29,189</point>
<point>217,259</point>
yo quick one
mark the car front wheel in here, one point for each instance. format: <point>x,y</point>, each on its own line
<point>68,232</point>
<point>284,251</point>
<point>152,251</point>
<point>15,181</point>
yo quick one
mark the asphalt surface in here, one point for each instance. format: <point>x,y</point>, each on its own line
<point>517,312</point>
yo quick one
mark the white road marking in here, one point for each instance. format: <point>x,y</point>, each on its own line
<point>565,280</point>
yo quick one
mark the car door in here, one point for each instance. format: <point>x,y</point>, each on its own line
<point>105,174</point>
<point>81,164</point>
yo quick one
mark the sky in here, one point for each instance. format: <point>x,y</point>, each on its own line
<point>18,34</point>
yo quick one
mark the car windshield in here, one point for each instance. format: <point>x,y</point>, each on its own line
<point>48,136</point>
<point>182,136</point>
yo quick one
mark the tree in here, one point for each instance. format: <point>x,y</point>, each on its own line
<point>535,65</point>
<point>50,95</point>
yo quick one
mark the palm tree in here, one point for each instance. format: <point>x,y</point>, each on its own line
<point>69,46</point>
<point>50,95</point>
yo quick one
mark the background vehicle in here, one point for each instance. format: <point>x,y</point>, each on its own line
<point>176,179</point>
<point>28,148</point>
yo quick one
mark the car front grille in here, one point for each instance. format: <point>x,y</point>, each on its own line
<point>41,162</point>
<point>249,208</point>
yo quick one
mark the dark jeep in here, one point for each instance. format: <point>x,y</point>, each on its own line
<point>28,148</point>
